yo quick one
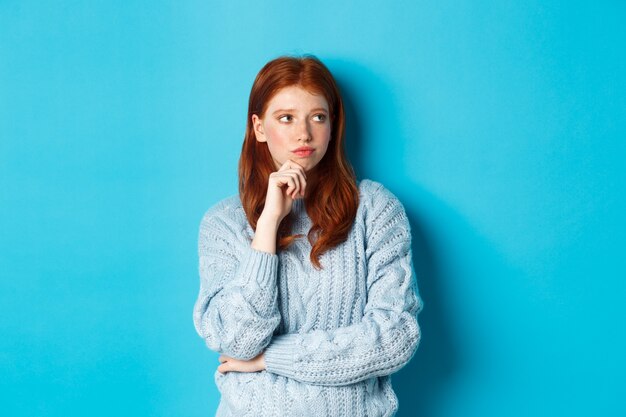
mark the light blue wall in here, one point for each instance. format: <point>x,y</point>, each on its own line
<point>500,125</point>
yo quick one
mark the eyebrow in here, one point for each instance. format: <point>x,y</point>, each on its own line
<point>292,110</point>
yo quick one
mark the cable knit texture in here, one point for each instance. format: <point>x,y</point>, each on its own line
<point>332,338</point>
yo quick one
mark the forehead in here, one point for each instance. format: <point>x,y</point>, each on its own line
<point>296,97</point>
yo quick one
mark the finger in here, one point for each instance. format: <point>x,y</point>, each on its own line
<point>302,175</point>
<point>291,164</point>
<point>296,180</point>
<point>292,178</point>
<point>288,164</point>
<point>296,165</point>
<point>289,180</point>
<point>301,169</point>
<point>300,182</point>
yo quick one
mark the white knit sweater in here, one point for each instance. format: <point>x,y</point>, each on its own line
<point>333,337</point>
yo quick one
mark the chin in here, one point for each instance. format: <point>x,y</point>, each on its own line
<point>309,168</point>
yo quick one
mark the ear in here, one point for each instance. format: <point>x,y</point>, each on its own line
<point>257,124</point>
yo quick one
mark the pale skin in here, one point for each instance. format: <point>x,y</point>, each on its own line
<point>294,117</point>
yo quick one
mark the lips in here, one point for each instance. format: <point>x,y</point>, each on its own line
<point>303,151</point>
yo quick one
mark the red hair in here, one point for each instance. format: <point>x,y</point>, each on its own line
<point>333,200</point>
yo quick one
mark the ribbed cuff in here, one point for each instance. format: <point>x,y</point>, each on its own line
<point>280,354</point>
<point>257,266</point>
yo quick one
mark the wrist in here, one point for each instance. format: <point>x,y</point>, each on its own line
<point>265,235</point>
<point>268,220</point>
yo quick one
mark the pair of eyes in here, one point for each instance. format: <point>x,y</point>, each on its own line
<point>321,117</point>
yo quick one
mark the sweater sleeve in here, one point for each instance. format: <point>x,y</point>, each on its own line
<point>236,310</point>
<point>388,334</point>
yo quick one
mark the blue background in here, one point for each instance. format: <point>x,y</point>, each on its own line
<point>500,125</point>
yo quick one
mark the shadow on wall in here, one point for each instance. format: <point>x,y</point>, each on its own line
<point>420,383</point>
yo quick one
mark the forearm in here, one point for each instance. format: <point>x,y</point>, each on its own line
<point>345,355</point>
<point>237,313</point>
<point>265,234</point>
<point>231,325</point>
<point>380,344</point>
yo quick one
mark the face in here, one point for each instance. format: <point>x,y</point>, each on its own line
<point>295,118</point>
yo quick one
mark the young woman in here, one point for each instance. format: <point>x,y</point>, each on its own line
<point>306,282</point>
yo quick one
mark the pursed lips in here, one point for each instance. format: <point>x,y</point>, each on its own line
<point>303,151</point>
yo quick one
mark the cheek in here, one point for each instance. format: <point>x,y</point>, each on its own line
<point>277,143</point>
<point>323,134</point>
<point>276,137</point>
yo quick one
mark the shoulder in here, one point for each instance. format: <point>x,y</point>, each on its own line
<point>224,219</point>
<point>384,214</point>
<point>225,207</point>
<point>376,197</point>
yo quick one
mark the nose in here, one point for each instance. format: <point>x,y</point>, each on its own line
<point>304,131</point>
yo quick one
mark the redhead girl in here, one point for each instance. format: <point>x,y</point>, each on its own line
<point>307,289</point>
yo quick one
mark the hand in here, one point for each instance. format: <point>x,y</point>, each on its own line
<point>284,186</point>
<point>229,364</point>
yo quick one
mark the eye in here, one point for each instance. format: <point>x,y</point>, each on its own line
<point>322,117</point>
<point>284,116</point>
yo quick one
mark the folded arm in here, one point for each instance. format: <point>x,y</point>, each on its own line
<point>236,310</point>
<point>388,334</point>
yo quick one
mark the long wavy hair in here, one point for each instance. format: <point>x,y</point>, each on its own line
<point>333,200</point>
